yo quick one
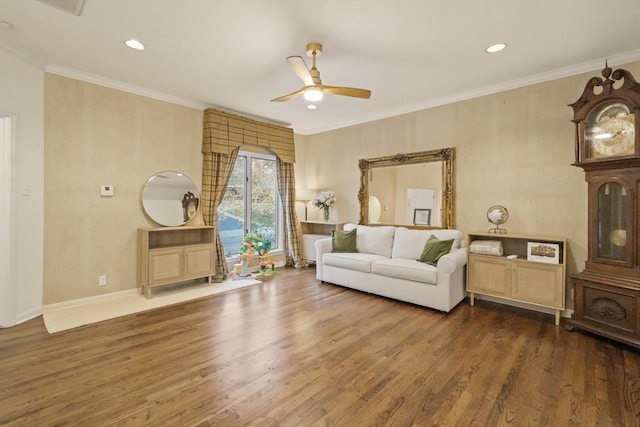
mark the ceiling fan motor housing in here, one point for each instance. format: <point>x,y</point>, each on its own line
<point>314,48</point>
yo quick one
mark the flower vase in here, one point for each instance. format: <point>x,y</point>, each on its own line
<point>325,212</point>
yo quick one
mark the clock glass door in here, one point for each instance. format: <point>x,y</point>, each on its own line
<point>613,205</point>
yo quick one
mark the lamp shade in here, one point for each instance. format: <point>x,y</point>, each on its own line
<point>305,194</point>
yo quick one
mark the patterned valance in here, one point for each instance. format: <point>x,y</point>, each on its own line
<point>224,132</point>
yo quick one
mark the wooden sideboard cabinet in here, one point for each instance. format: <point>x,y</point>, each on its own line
<point>173,254</point>
<point>315,230</point>
<point>531,282</point>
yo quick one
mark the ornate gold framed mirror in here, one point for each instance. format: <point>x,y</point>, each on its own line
<point>429,174</point>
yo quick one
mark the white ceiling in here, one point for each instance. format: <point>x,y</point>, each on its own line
<point>412,54</point>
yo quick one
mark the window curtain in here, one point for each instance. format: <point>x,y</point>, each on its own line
<point>223,134</point>
<point>216,171</point>
<point>292,231</point>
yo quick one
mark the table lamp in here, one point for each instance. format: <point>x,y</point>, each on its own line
<point>305,195</point>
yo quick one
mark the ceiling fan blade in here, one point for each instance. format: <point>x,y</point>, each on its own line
<point>347,91</point>
<point>289,96</point>
<point>300,68</point>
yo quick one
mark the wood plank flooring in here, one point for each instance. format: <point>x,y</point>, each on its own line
<point>295,352</point>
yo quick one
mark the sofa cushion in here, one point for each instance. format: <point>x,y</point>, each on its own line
<point>409,244</point>
<point>374,240</point>
<point>407,269</point>
<point>343,241</point>
<point>351,261</point>
<point>434,249</point>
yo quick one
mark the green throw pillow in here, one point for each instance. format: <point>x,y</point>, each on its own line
<point>434,249</point>
<point>344,241</point>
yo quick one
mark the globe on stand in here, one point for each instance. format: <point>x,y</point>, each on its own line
<point>497,215</point>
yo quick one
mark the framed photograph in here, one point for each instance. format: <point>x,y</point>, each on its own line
<point>543,252</point>
<point>422,217</point>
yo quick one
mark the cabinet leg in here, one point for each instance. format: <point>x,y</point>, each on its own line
<point>147,292</point>
<point>210,282</point>
<point>471,298</point>
<point>557,317</point>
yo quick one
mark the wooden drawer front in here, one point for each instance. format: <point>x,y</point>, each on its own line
<point>198,261</point>
<point>539,284</point>
<point>615,310</point>
<point>165,266</point>
<point>489,276</point>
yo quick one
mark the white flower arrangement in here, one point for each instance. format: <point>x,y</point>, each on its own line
<point>324,200</point>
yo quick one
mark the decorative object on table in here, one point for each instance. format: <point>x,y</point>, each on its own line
<point>252,245</point>
<point>324,200</point>
<point>422,217</point>
<point>543,252</point>
<point>497,215</point>
<point>607,148</point>
<point>305,195</point>
<point>486,247</point>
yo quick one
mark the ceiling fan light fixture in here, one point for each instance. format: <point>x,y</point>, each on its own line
<point>313,94</point>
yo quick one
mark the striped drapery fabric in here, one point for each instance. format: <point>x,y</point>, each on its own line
<point>292,231</point>
<point>216,171</point>
<point>225,132</point>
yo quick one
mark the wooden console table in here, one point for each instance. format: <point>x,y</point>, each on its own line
<point>516,278</point>
<point>173,254</point>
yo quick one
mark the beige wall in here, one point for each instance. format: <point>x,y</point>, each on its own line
<point>513,148</point>
<point>97,136</point>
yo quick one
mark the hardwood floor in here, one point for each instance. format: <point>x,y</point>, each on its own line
<point>295,352</point>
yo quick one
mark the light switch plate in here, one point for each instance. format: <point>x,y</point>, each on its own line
<point>106,190</point>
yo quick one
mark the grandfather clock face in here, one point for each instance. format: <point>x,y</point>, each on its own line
<point>609,132</point>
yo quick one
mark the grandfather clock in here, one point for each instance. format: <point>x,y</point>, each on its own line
<point>607,292</point>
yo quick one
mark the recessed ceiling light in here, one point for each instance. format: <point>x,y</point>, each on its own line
<point>134,44</point>
<point>311,107</point>
<point>496,47</point>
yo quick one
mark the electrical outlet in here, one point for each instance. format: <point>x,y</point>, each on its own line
<point>102,280</point>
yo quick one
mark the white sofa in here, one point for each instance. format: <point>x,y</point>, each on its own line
<point>386,265</point>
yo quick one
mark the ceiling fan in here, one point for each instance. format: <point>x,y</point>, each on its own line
<point>313,89</point>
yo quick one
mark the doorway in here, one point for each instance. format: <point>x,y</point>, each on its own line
<point>7,298</point>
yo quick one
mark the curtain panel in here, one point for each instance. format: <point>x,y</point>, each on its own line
<point>292,231</point>
<point>216,171</point>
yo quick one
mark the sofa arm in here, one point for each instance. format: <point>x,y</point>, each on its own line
<point>322,246</point>
<point>450,262</point>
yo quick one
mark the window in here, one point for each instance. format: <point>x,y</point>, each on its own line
<point>251,198</point>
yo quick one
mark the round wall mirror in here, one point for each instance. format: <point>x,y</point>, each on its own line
<point>170,198</point>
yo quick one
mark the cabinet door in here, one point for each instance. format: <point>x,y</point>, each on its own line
<point>198,261</point>
<point>489,275</point>
<point>538,283</point>
<point>165,265</point>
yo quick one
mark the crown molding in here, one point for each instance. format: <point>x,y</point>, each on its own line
<point>559,73</point>
<point>125,87</point>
